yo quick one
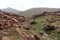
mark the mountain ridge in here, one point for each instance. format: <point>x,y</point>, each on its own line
<point>8,9</point>
<point>31,11</point>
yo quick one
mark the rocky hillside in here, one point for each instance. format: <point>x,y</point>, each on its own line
<point>16,27</point>
<point>40,25</point>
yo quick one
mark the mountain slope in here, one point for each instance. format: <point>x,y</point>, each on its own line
<point>34,11</point>
<point>11,10</point>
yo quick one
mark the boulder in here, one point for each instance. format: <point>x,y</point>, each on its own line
<point>49,27</point>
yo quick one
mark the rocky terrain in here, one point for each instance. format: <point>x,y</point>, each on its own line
<point>43,26</point>
<point>15,27</point>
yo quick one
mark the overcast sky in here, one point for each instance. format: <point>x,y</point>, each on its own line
<point>27,4</point>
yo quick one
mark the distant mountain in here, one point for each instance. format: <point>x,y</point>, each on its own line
<point>34,11</point>
<point>11,10</point>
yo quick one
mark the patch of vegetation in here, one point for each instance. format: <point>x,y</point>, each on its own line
<point>42,20</point>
